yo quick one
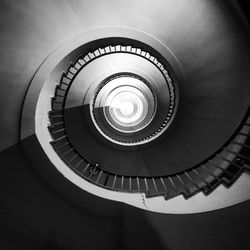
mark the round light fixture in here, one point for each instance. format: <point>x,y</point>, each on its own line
<point>125,103</point>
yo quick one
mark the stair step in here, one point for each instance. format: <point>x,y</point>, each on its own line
<point>142,184</point>
<point>101,179</point>
<point>197,179</point>
<point>74,160</point>
<point>206,176</point>
<point>159,185</point>
<point>180,187</point>
<point>58,99</point>
<point>245,130</point>
<point>65,81</point>
<point>152,189</point>
<point>172,191</point>
<point>213,168</point>
<point>59,91</point>
<point>189,184</point>
<point>118,183</point>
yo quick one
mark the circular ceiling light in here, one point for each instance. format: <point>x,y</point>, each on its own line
<point>124,103</point>
<point>127,107</point>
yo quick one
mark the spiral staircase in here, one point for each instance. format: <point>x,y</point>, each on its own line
<point>125,124</point>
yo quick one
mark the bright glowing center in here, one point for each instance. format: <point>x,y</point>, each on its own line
<point>126,108</point>
<point>127,104</point>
